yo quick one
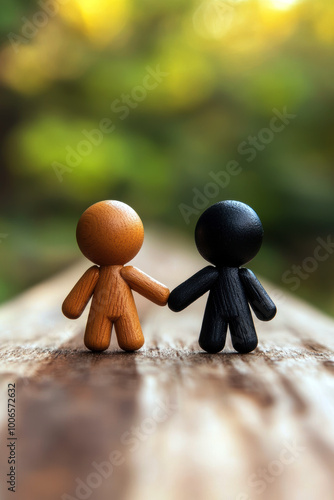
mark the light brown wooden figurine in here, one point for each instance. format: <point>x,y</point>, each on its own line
<point>110,234</point>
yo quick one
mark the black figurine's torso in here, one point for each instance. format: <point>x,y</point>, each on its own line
<point>227,293</point>
<point>227,306</point>
<point>232,291</point>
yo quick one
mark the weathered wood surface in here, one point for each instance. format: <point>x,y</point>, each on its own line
<point>187,425</point>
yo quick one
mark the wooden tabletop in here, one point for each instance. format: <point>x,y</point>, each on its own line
<point>168,422</point>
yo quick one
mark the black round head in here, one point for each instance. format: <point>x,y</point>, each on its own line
<point>229,234</point>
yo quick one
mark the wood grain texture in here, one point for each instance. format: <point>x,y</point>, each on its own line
<point>113,304</point>
<point>110,233</point>
<point>77,300</point>
<point>189,425</point>
<point>145,285</point>
<point>228,234</point>
<point>193,288</point>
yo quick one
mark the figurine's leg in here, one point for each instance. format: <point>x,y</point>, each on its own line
<point>128,330</point>
<point>213,332</point>
<point>243,333</point>
<point>98,331</point>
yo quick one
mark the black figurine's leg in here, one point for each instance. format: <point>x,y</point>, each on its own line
<point>213,333</point>
<point>243,333</point>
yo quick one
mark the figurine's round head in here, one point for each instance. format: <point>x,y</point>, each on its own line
<point>110,233</point>
<point>229,234</point>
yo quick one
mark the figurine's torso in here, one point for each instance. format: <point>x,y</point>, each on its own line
<point>112,294</point>
<point>227,294</point>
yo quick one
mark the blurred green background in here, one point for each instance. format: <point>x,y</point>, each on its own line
<point>67,65</point>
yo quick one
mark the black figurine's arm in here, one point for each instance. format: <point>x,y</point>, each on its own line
<point>262,305</point>
<point>189,291</point>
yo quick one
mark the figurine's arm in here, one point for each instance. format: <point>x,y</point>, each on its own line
<point>262,305</point>
<point>145,285</point>
<point>192,289</point>
<point>76,301</point>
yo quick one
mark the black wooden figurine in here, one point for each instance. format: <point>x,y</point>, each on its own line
<point>228,235</point>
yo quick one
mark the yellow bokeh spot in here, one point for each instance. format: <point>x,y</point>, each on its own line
<point>189,81</point>
<point>324,24</point>
<point>282,4</point>
<point>18,72</point>
<point>100,20</point>
<point>41,60</point>
<point>276,24</point>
